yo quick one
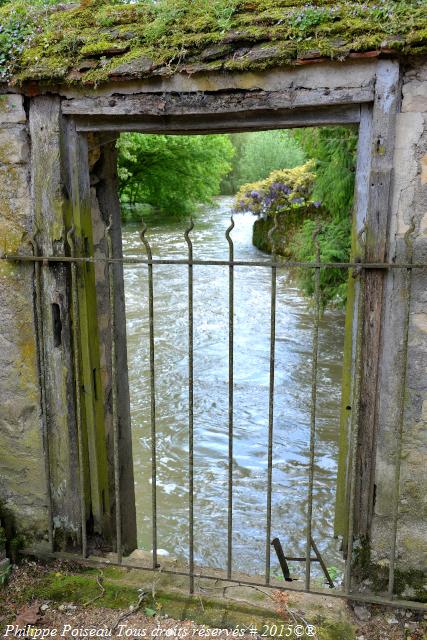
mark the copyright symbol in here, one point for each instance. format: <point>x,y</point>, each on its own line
<point>299,631</point>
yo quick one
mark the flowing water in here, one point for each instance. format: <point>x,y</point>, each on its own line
<point>251,378</point>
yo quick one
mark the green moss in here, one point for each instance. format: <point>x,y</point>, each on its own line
<point>122,589</point>
<point>336,631</point>
<point>82,587</point>
<point>101,47</point>
<point>364,568</point>
<point>41,44</point>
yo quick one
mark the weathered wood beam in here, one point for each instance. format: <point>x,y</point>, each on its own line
<point>107,196</point>
<point>92,401</point>
<point>382,135</point>
<point>203,103</point>
<point>49,224</point>
<point>221,123</point>
<point>324,76</point>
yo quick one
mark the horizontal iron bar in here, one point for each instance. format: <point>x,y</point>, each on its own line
<point>357,597</point>
<point>225,263</point>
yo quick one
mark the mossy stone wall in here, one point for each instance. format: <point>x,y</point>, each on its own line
<point>22,478</point>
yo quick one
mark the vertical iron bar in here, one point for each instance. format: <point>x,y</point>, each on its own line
<point>322,564</point>
<point>271,398</point>
<point>400,423</point>
<point>116,434</point>
<point>152,392</point>
<point>190,407</point>
<point>42,370</point>
<point>230,397</point>
<point>77,381</point>
<point>355,419</point>
<point>314,366</point>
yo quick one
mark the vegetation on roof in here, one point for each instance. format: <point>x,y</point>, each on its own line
<point>97,40</point>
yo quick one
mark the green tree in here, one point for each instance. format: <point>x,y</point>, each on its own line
<point>334,150</point>
<point>319,193</point>
<point>172,173</point>
<point>260,153</point>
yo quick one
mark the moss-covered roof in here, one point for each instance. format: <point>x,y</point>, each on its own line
<point>100,40</point>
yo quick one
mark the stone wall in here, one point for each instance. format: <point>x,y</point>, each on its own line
<point>22,477</point>
<point>409,206</point>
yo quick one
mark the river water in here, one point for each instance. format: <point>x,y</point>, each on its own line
<point>252,344</point>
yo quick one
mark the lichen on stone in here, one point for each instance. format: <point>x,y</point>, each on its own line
<point>87,43</point>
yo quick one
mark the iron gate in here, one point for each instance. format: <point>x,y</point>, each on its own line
<point>360,270</point>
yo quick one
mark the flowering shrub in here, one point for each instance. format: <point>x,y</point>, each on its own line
<point>284,191</point>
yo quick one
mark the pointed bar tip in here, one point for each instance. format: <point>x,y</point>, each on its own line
<point>187,232</point>
<point>230,229</point>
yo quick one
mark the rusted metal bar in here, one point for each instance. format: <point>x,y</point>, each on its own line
<point>230,398</point>
<point>190,406</point>
<point>282,559</point>
<point>400,422</point>
<point>42,375</point>
<point>271,397</point>
<point>78,385</point>
<point>322,563</point>
<point>152,393</point>
<point>314,365</point>
<point>116,434</point>
<point>282,264</point>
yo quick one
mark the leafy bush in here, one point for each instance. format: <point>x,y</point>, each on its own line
<point>283,191</point>
<point>334,240</point>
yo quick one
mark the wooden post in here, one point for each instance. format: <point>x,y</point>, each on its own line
<point>107,199</point>
<point>92,405</point>
<point>378,175</point>
<point>49,209</point>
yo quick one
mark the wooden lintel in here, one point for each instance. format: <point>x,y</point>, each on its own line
<point>210,103</point>
<point>220,123</point>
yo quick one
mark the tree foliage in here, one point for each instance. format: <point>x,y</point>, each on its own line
<point>325,183</point>
<point>172,173</point>
<point>260,153</point>
<point>334,150</point>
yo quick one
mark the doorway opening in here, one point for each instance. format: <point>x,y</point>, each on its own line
<point>246,495</point>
